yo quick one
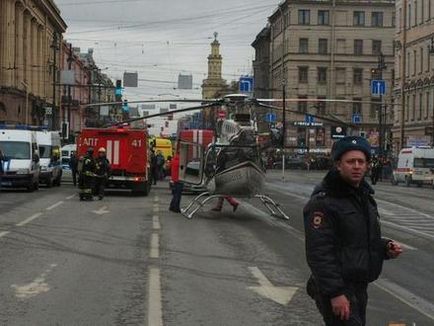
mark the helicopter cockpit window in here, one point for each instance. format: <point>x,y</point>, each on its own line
<point>191,163</point>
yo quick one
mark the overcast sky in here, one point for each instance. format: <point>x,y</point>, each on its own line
<point>162,38</point>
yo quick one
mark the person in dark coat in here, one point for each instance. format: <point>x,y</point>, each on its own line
<point>86,177</point>
<point>177,186</point>
<point>344,247</point>
<point>2,159</point>
<point>102,171</point>
<point>154,168</point>
<point>73,165</point>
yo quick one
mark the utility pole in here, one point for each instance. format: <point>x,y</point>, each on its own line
<point>54,46</point>
<point>431,52</point>
<point>283,94</point>
<point>381,66</point>
<point>69,92</point>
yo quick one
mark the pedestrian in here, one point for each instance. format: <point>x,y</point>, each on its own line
<point>154,167</point>
<point>375,170</point>
<point>231,200</point>
<point>73,164</point>
<point>344,247</point>
<point>2,159</point>
<point>177,186</point>
<point>86,176</point>
<point>102,171</point>
<point>160,165</point>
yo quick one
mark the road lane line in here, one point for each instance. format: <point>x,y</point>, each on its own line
<point>156,222</point>
<point>54,206</point>
<point>407,230</point>
<point>423,306</point>
<point>28,220</point>
<point>36,287</point>
<point>155,246</point>
<point>4,233</point>
<point>70,197</point>
<point>156,208</point>
<point>155,311</point>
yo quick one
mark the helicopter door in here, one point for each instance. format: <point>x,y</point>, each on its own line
<point>191,157</point>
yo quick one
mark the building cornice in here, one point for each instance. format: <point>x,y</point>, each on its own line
<point>53,13</point>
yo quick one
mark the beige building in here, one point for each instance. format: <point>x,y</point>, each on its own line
<point>414,86</point>
<point>330,50</point>
<point>27,57</point>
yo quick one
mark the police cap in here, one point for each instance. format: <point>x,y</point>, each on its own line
<point>351,143</point>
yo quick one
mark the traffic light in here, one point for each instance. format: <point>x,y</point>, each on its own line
<point>125,107</point>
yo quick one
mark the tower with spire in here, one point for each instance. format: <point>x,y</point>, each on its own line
<point>214,86</point>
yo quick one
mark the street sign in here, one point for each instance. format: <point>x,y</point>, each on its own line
<point>246,84</point>
<point>222,114</point>
<point>309,119</point>
<point>357,118</point>
<point>338,132</point>
<point>378,87</point>
<point>270,117</point>
<point>48,110</point>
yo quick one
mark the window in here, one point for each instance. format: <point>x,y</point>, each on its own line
<point>323,17</point>
<point>340,75</point>
<point>357,105</point>
<point>322,46</point>
<point>302,106</point>
<point>413,105</point>
<point>377,19</point>
<point>414,62</point>
<point>322,75</point>
<point>393,19</point>
<point>427,105</point>
<point>358,47</point>
<point>304,17</point>
<point>415,13</point>
<point>359,18</point>
<point>376,47</point>
<point>303,74</point>
<point>421,60</point>
<point>358,76</point>
<point>303,46</point>
<point>375,107</point>
<point>321,106</point>
<point>407,111</point>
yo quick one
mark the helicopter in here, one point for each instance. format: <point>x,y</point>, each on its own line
<point>230,164</point>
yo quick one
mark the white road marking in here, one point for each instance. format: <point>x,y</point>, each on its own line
<point>28,220</point>
<point>4,233</point>
<point>54,206</point>
<point>70,197</point>
<point>156,208</point>
<point>408,230</point>
<point>38,286</point>
<point>423,306</point>
<point>156,199</point>
<point>280,294</point>
<point>156,222</point>
<point>103,210</point>
<point>155,246</point>
<point>155,311</point>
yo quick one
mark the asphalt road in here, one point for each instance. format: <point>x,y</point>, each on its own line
<point>129,261</point>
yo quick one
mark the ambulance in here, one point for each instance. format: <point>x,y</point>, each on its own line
<point>415,166</point>
<point>127,150</point>
<point>20,158</point>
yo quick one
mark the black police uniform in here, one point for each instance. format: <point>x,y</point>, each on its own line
<point>344,247</point>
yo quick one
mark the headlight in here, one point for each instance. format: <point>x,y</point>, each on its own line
<point>23,171</point>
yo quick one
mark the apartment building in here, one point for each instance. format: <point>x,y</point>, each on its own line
<point>331,50</point>
<point>414,66</point>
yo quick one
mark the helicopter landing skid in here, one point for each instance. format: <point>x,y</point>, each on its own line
<point>272,206</point>
<point>198,202</point>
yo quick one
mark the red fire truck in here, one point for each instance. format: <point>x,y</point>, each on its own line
<point>128,153</point>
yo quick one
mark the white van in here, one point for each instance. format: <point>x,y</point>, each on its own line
<point>21,159</point>
<point>66,155</point>
<point>415,165</point>
<point>49,155</point>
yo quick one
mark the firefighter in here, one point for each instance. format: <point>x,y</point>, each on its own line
<point>102,172</point>
<point>86,170</point>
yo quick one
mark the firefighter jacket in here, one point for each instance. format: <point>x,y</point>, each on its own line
<point>343,236</point>
<point>88,166</point>
<point>102,166</point>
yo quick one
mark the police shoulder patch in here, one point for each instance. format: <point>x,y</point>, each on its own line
<point>317,220</point>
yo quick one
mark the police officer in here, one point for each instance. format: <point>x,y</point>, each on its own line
<point>102,172</point>
<point>344,247</point>
<point>86,176</point>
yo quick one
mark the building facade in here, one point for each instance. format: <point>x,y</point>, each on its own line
<point>330,50</point>
<point>30,35</point>
<point>414,62</point>
<point>261,64</point>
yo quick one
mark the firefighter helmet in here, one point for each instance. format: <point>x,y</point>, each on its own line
<point>102,150</point>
